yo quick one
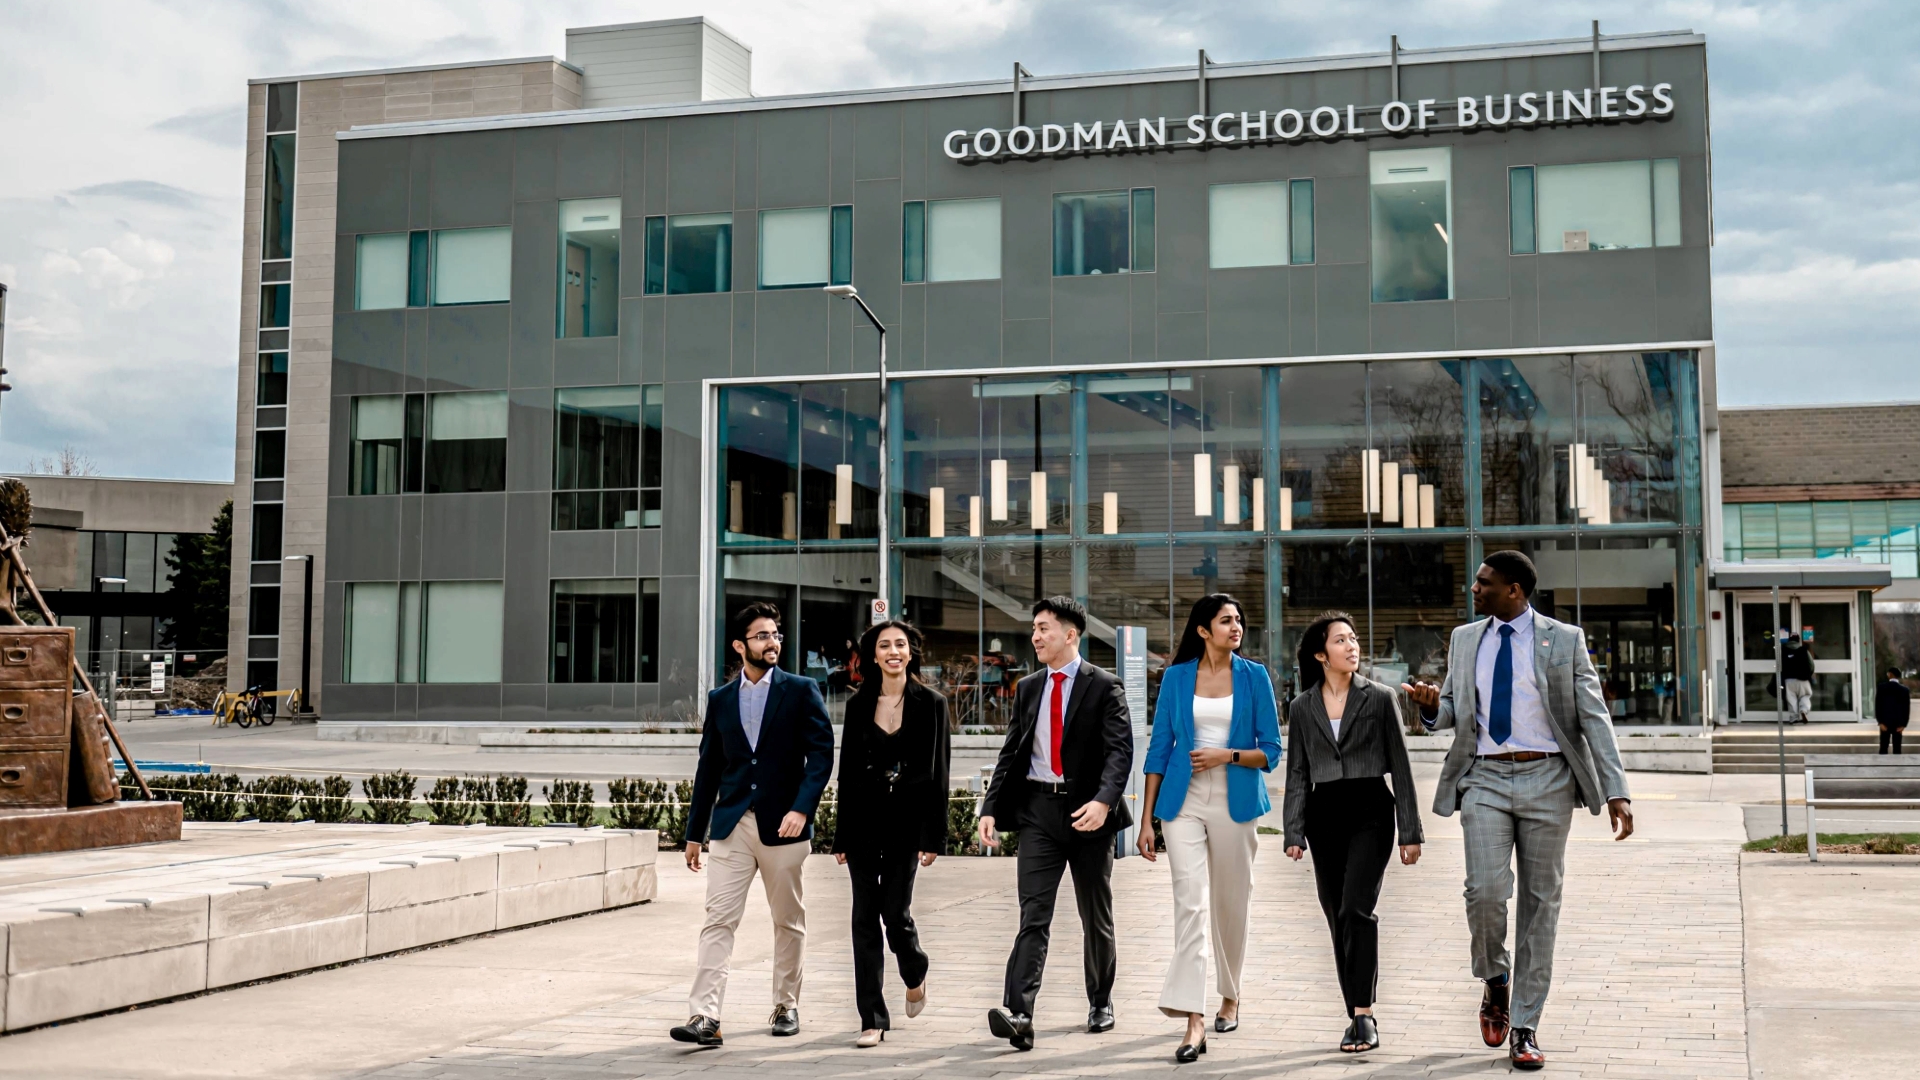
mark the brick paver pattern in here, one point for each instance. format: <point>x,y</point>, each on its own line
<point>1647,984</point>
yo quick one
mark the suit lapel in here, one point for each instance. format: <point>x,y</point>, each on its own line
<point>1543,634</point>
<point>1317,706</point>
<point>775,690</point>
<point>1356,699</point>
<point>1470,673</point>
<point>1078,694</point>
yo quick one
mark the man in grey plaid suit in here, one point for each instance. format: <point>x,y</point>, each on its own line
<point>1533,740</point>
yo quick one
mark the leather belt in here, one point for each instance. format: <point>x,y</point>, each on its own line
<point>1521,755</point>
<point>1049,787</point>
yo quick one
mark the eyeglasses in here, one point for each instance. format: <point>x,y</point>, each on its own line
<point>764,637</point>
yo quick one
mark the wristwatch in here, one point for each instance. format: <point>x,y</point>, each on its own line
<point>1236,757</point>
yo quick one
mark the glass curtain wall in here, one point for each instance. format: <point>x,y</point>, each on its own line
<point>1368,487</point>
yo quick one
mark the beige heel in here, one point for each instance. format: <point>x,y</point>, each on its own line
<point>870,1038</point>
<point>914,1007</point>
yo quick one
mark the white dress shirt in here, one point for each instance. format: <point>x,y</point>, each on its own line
<point>1041,767</point>
<point>753,704</point>
<point>1531,731</point>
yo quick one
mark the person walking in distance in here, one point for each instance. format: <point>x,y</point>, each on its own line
<point>1891,703</point>
<point>1343,738</point>
<point>1215,731</point>
<point>894,754</point>
<point>1532,740</point>
<point>1797,666</point>
<point>1059,781</point>
<point>766,754</point>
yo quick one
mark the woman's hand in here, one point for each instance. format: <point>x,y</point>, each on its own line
<point>840,857</point>
<point>927,857</point>
<point>1409,853</point>
<point>1145,843</point>
<point>1203,760</point>
<point>1296,853</point>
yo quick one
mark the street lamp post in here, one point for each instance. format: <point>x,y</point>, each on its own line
<point>306,636</point>
<point>848,292</point>
<point>113,670</point>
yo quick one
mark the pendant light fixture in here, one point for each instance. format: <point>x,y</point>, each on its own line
<point>1110,514</point>
<point>1230,495</point>
<point>1577,477</point>
<point>1426,506</point>
<point>1259,504</point>
<point>1369,481</point>
<point>1203,485</point>
<point>997,490</point>
<point>936,512</point>
<point>1410,498</point>
<point>973,515</point>
<point>843,472</point>
<point>1037,491</point>
<point>1390,492</point>
<point>1286,509</point>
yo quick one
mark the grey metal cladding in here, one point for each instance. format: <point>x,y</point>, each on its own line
<point>1412,327</point>
<point>1597,297</point>
<point>590,161</point>
<point>363,538</point>
<point>535,164</point>
<point>790,152</point>
<point>581,554</point>
<point>1091,320</point>
<point>700,165</point>
<point>372,342</point>
<point>963,324</point>
<point>877,142</point>
<point>472,179</point>
<point>587,361</point>
<point>463,536</point>
<point>800,347</point>
<point>699,336</point>
<point>374,181</point>
<point>444,702</point>
<point>1247,312</point>
<point>530,440</point>
<point>467,347</point>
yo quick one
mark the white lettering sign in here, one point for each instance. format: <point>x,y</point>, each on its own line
<point>1607,104</point>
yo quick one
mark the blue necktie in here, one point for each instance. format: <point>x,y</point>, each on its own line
<point>1500,709</point>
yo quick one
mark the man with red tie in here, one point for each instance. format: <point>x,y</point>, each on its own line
<point>1059,783</point>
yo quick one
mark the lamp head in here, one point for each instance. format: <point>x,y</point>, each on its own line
<point>111,580</point>
<point>844,292</point>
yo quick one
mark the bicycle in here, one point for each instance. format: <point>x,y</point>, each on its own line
<point>250,705</point>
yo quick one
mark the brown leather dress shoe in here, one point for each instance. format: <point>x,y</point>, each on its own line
<point>1524,1052</point>
<point>1494,1013</point>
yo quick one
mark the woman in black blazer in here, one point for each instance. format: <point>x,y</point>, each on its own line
<point>1343,737</point>
<point>894,753</point>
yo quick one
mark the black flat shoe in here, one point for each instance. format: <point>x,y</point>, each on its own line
<point>1189,1052</point>
<point>1362,1035</point>
<point>1223,1025</point>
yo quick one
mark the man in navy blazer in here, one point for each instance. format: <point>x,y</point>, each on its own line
<point>766,754</point>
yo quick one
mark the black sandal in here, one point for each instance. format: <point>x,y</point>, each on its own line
<point>1362,1035</point>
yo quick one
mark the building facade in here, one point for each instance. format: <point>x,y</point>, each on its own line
<point>1317,333</point>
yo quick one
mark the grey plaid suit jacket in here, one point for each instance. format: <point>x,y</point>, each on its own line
<point>1575,709</point>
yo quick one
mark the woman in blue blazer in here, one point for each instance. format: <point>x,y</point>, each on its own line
<point>1215,730</point>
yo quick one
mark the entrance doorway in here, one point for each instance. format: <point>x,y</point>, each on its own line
<point>1826,623</point>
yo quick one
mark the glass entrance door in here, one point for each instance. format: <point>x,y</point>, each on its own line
<point>1826,626</point>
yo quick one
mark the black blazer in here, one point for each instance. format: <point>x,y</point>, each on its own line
<point>788,771</point>
<point>1370,744</point>
<point>913,814</point>
<point>1891,704</point>
<point>1096,746</point>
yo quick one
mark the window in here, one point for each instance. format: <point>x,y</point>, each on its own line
<point>463,632</point>
<point>283,101</point>
<point>1103,232</point>
<point>467,442</point>
<point>951,240</point>
<point>1247,225</point>
<point>1598,206</point>
<point>650,630</point>
<point>385,453</point>
<point>689,253</point>
<point>268,520</point>
<point>600,442</point>
<point>589,288</point>
<point>140,562</point>
<point>594,628</point>
<point>1412,224</point>
<point>372,647</point>
<point>1872,530</point>
<point>472,266</point>
<point>269,455</point>
<point>263,611</point>
<point>382,266</point>
<point>796,247</point>
<point>276,223</point>
<point>1302,224</point>
<point>270,387</point>
<point>276,306</point>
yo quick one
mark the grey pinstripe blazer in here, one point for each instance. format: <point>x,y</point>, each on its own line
<point>1575,709</point>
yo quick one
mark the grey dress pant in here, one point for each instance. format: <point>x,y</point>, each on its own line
<point>1516,813</point>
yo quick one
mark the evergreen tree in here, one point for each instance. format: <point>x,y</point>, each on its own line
<point>202,575</point>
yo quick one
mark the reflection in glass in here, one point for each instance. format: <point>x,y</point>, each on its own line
<point>1323,431</point>
<point>1126,452</point>
<point>941,595</point>
<point>1419,428</point>
<point>276,233</point>
<point>1127,585</point>
<point>1412,224</point>
<point>759,463</point>
<point>939,474</point>
<point>596,458</point>
<point>822,598</point>
<point>839,461</point>
<point>467,442</point>
<point>1527,424</point>
<point>1418,598</point>
<point>1628,413</point>
<point>374,461</point>
<point>1027,428</point>
<point>1012,577</point>
<point>1239,569</point>
<point>594,623</point>
<point>1218,449</point>
<point>700,253</point>
<point>1090,233</point>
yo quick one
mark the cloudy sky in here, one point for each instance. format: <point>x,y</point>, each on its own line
<point>121,164</point>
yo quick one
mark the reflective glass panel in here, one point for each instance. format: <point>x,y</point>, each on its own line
<point>1218,449</point>
<point>939,463</point>
<point>796,247</point>
<point>1323,436</point>
<point>589,288</point>
<point>372,634</point>
<point>1091,234</point>
<point>1628,413</point>
<point>463,632</point>
<point>700,253</point>
<point>594,625</point>
<point>1412,224</point>
<point>467,442</point>
<point>596,454</point>
<point>839,460</point>
<point>963,240</point>
<point>940,590</point>
<point>380,271</point>
<point>1127,451</point>
<point>1027,436</point>
<point>1596,206</point>
<point>759,463</point>
<point>1527,437</point>
<point>1419,428</point>
<point>276,234</point>
<point>1247,224</point>
<point>472,266</point>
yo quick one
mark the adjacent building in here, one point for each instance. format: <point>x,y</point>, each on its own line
<point>558,386</point>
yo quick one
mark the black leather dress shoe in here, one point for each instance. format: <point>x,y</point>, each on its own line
<point>1190,1052</point>
<point>700,1030</point>
<point>786,1021</point>
<point>1524,1052</point>
<point>1494,1002</point>
<point>1099,1019</point>
<point>1016,1028</point>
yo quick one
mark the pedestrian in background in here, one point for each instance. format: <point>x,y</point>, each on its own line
<point>1891,703</point>
<point>1797,666</point>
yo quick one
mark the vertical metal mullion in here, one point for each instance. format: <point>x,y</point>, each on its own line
<point>1367,533</point>
<point>1272,467</point>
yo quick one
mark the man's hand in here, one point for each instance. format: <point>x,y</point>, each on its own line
<point>693,855</point>
<point>1424,694</point>
<point>793,824</point>
<point>840,857</point>
<point>1296,853</point>
<point>1409,854</point>
<point>927,857</point>
<point>1209,758</point>
<point>1090,817</point>
<point>1620,818</point>
<point>1145,843</point>
<point>988,836</point>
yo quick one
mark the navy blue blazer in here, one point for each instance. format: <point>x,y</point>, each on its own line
<point>788,771</point>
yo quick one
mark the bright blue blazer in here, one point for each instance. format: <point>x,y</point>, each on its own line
<point>1255,726</point>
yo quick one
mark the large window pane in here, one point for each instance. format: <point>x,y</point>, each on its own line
<point>796,247</point>
<point>1527,424</point>
<point>380,272</point>
<point>472,266</point>
<point>1012,577</point>
<point>594,627</point>
<point>1666,202</point>
<point>140,562</point>
<point>276,235</point>
<point>596,458</point>
<point>269,455</point>
<point>378,427</point>
<point>939,464</point>
<point>589,268</point>
<point>963,240</point>
<point>276,306</point>
<point>1323,438</point>
<point>1127,585</point>
<point>759,463</point>
<point>373,632</point>
<point>1412,224</point>
<point>839,460</point>
<point>1219,448</point>
<point>1091,233</point>
<point>650,630</point>
<point>823,600</point>
<point>1595,207</point>
<point>1419,428</point>
<point>913,242</point>
<point>1127,452</point>
<point>1301,225</point>
<point>1628,413</point>
<point>467,442</point>
<point>283,100</point>
<point>1027,437</point>
<point>1520,211</point>
<point>263,611</point>
<point>1247,225</point>
<point>700,253</point>
<point>1239,569</point>
<point>270,387</point>
<point>1419,596</point>
<point>941,595</point>
<point>268,521</point>
<point>463,632</point>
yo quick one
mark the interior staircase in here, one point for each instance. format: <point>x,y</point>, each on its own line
<point>1755,748</point>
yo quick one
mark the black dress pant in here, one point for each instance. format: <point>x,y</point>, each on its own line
<point>1350,831</point>
<point>1049,846</point>
<point>1890,736</point>
<point>883,896</point>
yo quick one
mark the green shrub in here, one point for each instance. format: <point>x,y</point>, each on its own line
<point>1010,843</point>
<point>506,802</point>
<point>211,797</point>
<point>628,799</point>
<point>826,820</point>
<point>963,824</point>
<point>389,797</point>
<point>652,804</point>
<point>450,802</point>
<point>671,818</point>
<point>272,798</point>
<point>329,800</point>
<point>569,802</point>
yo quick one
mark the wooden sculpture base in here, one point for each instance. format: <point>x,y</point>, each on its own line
<point>34,832</point>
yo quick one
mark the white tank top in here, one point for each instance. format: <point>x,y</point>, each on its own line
<point>1212,718</point>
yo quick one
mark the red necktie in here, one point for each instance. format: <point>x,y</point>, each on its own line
<point>1059,680</point>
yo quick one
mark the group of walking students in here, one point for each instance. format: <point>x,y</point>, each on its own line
<point>1533,741</point>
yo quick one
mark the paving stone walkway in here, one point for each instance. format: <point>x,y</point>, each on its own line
<point>1648,982</point>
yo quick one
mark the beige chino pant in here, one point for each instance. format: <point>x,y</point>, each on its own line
<point>731,864</point>
<point>1212,860</point>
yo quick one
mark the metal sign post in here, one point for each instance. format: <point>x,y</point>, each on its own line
<point>1130,643</point>
<point>1779,706</point>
